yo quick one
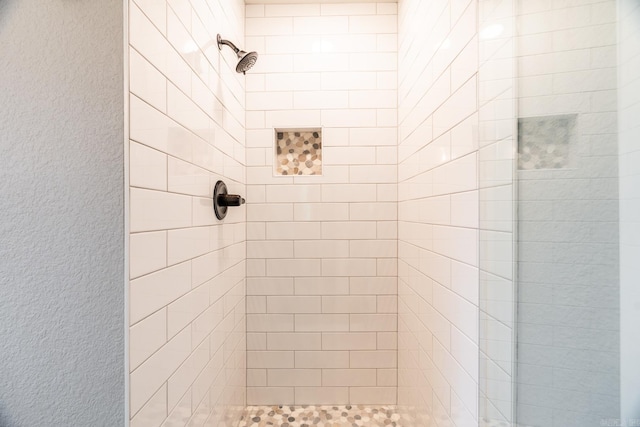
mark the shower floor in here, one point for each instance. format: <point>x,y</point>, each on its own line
<point>323,416</point>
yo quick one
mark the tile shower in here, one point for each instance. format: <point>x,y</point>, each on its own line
<point>370,277</point>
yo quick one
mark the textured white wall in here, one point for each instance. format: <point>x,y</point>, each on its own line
<point>187,269</point>
<point>629,151</point>
<point>61,232</point>
<point>438,212</point>
<point>568,281</point>
<point>321,249</point>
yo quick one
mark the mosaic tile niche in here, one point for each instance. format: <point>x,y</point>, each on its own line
<point>546,142</point>
<point>298,151</point>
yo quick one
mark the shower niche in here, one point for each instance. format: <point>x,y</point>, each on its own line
<point>298,152</point>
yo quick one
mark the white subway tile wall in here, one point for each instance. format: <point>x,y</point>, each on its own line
<point>187,269</point>
<point>497,79</point>
<point>629,185</point>
<point>568,262</point>
<point>438,223</point>
<point>321,250</point>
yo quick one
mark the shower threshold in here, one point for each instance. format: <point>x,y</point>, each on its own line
<point>323,416</point>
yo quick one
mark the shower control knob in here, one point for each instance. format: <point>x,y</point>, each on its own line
<point>222,200</point>
<point>230,200</point>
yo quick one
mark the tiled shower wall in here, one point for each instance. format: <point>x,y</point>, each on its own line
<point>438,211</point>
<point>568,281</point>
<point>629,159</point>
<point>497,134</point>
<point>322,267</point>
<point>187,269</point>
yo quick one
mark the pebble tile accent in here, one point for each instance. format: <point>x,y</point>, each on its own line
<point>299,152</point>
<point>324,416</point>
<point>546,142</point>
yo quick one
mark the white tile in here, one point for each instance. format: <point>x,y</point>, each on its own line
<point>293,193</point>
<point>146,337</point>
<point>349,377</point>
<point>269,286</point>
<point>268,26</point>
<point>270,322</point>
<point>293,304</point>
<point>387,340</point>
<point>156,12</point>
<point>154,411</point>
<point>270,249</point>
<point>269,212</point>
<point>321,322</point>
<point>152,292</point>
<point>270,359</point>
<point>317,100</point>
<point>347,118</point>
<point>292,10</point>
<point>373,24</point>
<point>294,341</point>
<point>256,377</point>
<point>293,230</point>
<point>373,249</point>
<point>185,375</point>
<point>373,136</point>
<point>155,210</point>
<point>321,395</point>
<point>146,81</point>
<point>372,395</point>
<point>387,304</point>
<point>149,376</point>
<point>147,167</point>
<point>348,267</point>
<point>147,252</point>
<point>348,304</point>
<point>257,341</point>
<point>321,248</point>
<point>373,322</point>
<point>373,359</point>
<point>349,341</point>
<point>387,377</point>
<point>256,304</point>
<point>322,359</point>
<point>185,178</point>
<point>321,25</point>
<point>373,211</point>
<point>372,98</point>
<point>294,377</point>
<point>348,9</point>
<point>373,285</point>
<point>292,82</point>
<point>332,193</point>
<point>187,243</point>
<point>269,100</point>
<point>293,267</point>
<point>185,309</point>
<point>270,396</point>
<point>321,285</point>
<point>349,230</point>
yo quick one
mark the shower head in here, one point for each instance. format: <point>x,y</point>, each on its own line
<point>246,60</point>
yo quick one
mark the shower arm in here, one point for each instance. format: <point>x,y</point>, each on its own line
<point>228,43</point>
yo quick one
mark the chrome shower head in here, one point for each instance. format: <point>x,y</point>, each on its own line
<point>246,60</point>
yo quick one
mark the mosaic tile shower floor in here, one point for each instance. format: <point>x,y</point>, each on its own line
<point>323,416</point>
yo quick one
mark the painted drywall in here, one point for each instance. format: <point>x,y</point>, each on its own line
<point>438,305</point>
<point>629,152</point>
<point>187,268</point>
<point>61,233</point>
<point>321,250</point>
